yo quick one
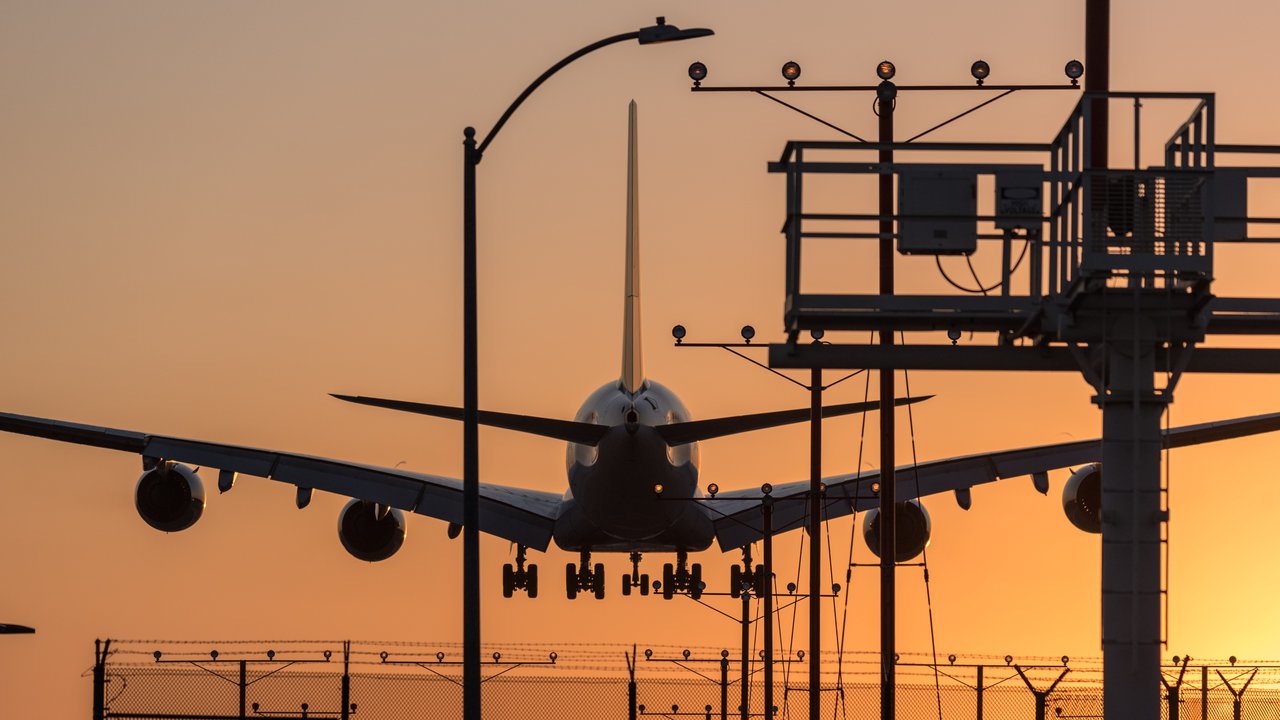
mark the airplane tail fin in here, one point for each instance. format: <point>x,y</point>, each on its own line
<point>632,358</point>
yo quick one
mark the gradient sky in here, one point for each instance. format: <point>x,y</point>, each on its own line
<point>214,213</point>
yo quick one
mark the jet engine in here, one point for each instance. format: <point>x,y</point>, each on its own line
<point>911,530</point>
<point>170,497</point>
<point>370,531</point>
<point>1082,498</point>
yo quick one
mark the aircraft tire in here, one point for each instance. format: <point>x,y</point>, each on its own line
<point>508,581</point>
<point>763,583</point>
<point>626,583</point>
<point>531,581</point>
<point>735,581</point>
<point>695,580</point>
<point>668,582</point>
<point>644,584</point>
<point>571,580</point>
<point>597,581</point>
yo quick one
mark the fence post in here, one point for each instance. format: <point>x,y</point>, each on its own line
<point>1204,692</point>
<point>979,689</point>
<point>100,678</point>
<point>631,684</point>
<point>244,686</point>
<point>346,680</point>
<point>724,685</point>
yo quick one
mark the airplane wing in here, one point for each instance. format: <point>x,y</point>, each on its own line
<point>515,514</point>
<point>738,520</point>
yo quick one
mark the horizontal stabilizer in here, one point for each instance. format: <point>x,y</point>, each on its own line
<point>568,430</point>
<point>695,430</point>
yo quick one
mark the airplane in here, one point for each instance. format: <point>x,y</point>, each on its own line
<point>632,467</point>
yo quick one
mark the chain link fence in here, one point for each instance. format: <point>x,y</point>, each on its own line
<point>159,680</point>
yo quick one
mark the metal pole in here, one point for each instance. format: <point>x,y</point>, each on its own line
<point>745,708</point>
<point>815,545</point>
<point>346,680</point>
<point>978,685</point>
<point>1204,692</point>
<point>470,441</point>
<point>888,489</point>
<point>1131,446</point>
<point>1097,64</point>
<point>724,686</point>
<point>100,679</point>
<point>631,684</point>
<point>244,687</point>
<point>765,589</point>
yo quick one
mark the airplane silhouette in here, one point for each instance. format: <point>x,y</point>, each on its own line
<point>632,457</point>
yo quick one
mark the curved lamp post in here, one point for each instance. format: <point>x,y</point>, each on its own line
<point>472,153</point>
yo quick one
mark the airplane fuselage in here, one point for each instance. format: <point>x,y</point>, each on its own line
<point>612,504</point>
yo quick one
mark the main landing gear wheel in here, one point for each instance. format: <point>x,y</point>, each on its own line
<point>682,578</point>
<point>743,580</point>
<point>634,579</point>
<point>584,578</point>
<point>519,577</point>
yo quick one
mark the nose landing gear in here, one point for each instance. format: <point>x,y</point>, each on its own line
<point>520,577</point>
<point>584,578</point>
<point>634,579</point>
<point>683,578</point>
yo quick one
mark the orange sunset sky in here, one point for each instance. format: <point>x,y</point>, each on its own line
<point>215,213</point>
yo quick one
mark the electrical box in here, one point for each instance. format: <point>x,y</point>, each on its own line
<point>938,211</point>
<point>1230,203</point>
<point>1019,199</point>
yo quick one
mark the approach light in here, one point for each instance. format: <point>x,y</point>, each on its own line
<point>954,335</point>
<point>497,656</point>
<point>712,489</point>
<point>1176,660</point>
<point>980,70</point>
<point>791,72</point>
<point>875,488</point>
<point>817,334</point>
<point>766,488</point>
<point>1074,70</point>
<point>951,659</point>
<point>697,73</point>
<point>1008,659</point>
<point>657,489</point>
<point>1065,659</point>
<point>678,332</point>
<point>885,70</point>
<point>724,653</point>
<point>748,332</point>
<point>791,587</point>
<point>213,655</point>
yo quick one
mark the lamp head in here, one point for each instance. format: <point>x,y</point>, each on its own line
<point>1074,70</point>
<point>791,72</point>
<point>662,32</point>
<point>697,73</point>
<point>678,332</point>
<point>980,70</point>
<point>885,70</point>
<point>748,332</point>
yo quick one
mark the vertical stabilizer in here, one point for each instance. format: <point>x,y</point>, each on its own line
<point>632,361</point>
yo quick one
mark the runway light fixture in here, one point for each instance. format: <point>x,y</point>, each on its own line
<point>657,489</point>
<point>885,70</point>
<point>1008,659</point>
<point>791,72</point>
<point>766,488</point>
<point>748,332</point>
<point>678,332</point>
<point>712,489</point>
<point>1074,69</point>
<point>817,334</point>
<point>697,73</point>
<point>980,70</point>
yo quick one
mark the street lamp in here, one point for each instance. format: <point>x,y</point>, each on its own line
<point>472,154</point>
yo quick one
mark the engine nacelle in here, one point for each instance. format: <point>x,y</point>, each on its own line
<point>1082,498</point>
<point>912,530</point>
<point>170,497</point>
<point>369,531</point>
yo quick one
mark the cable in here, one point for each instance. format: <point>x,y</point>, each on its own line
<point>937,260</point>
<point>928,595</point>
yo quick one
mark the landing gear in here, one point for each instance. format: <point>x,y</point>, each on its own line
<point>744,580</point>
<point>683,578</point>
<point>520,577</point>
<point>584,578</point>
<point>634,579</point>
